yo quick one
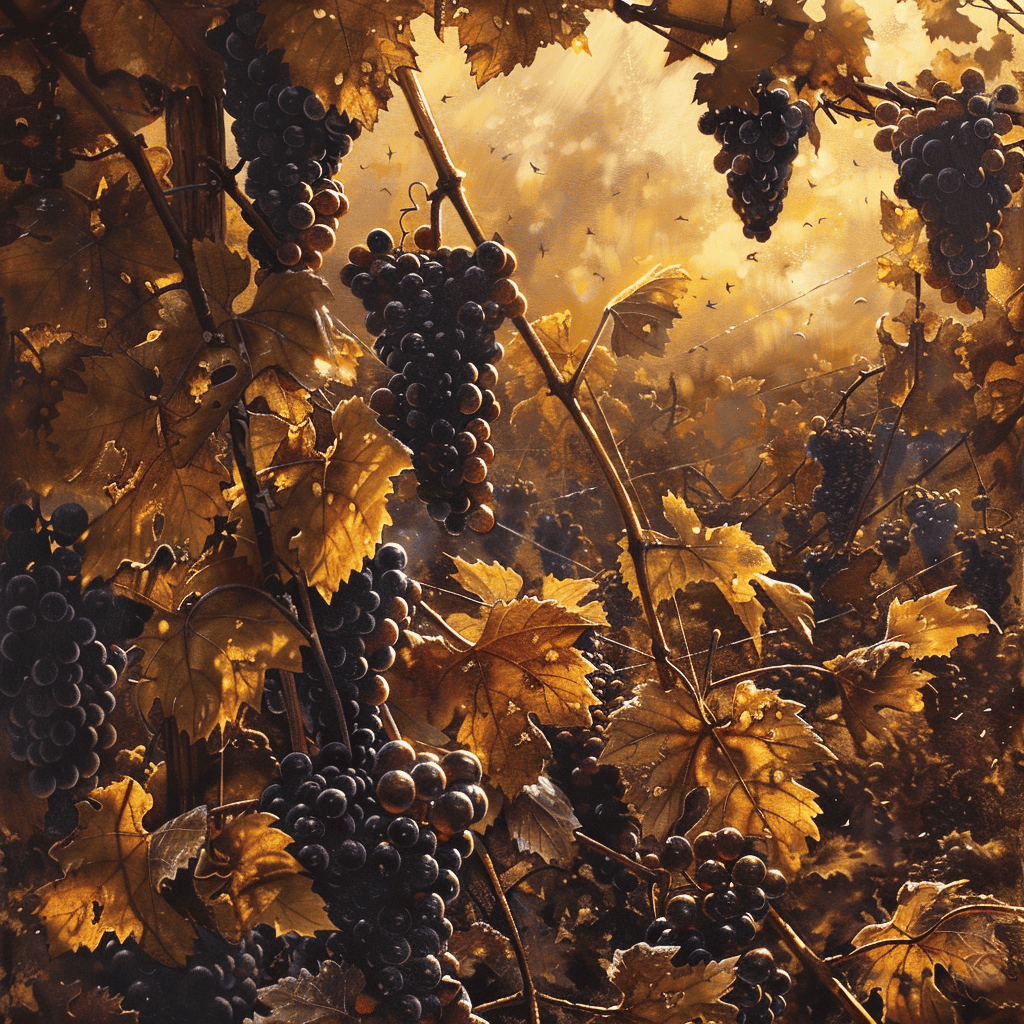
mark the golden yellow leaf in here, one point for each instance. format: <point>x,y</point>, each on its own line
<point>205,663</point>
<point>643,313</point>
<point>499,35</point>
<point>901,226</point>
<point>289,327</point>
<point>750,764</point>
<point>794,602</point>
<point>572,595</point>
<point>931,627</point>
<point>723,555</point>
<point>327,997</point>
<point>113,869</point>
<point>348,55</point>
<point>280,395</point>
<point>523,663</point>
<point>491,583</point>
<point>832,53</point>
<point>945,18</point>
<point>332,508</point>
<point>904,972</point>
<point>248,877</point>
<point>655,991</point>
<point>541,821</point>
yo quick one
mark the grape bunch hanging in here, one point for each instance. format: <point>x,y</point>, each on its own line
<point>293,145</point>
<point>434,314</point>
<point>954,170</point>
<point>757,154</point>
<point>32,142</point>
<point>57,659</point>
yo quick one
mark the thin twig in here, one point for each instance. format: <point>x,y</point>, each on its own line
<point>633,866</point>
<point>574,381</point>
<point>293,712</point>
<point>438,620</point>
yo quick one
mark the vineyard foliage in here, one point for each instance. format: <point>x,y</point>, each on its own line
<point>380,645</point>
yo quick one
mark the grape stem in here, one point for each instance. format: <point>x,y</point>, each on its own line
<point>635,867</point>
<point>450,182</point>
<point>227,180</point>
<point>529,987</point>
<point>577,374</point>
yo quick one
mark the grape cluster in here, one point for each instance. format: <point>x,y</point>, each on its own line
<point>434,314</point>
<point>988,557</point>
<point>557,540</point>
<point>808,684</point>
<point>291,141</point>
<point>383,833</point>
<point>57,662</point>
<point>359,629</point>
<point>846,456</point>
<point>893,540</point>
<point>31,138</point>
<point>720,912</point>
<point>217,986</point>
<point>596,790</point>
<point>933,519</point>
<point>954,170</point>
<point>757,154</point>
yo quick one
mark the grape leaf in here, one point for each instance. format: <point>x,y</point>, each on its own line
<point>832,53</point>
<point>482,943</point>
<point>931,627</point>
<point>499,35</point>
<point>794,602</point>
<point>723,555</point>
<point>118,248</point>
<point>904,972</point>
<point>224,274</point>
<point>281,395</point>
<point>757,44</point>
<point>643,313</point>
<point>522,664</point>
<point>1001,395</point>
<point>289,327</point>
<point>327,997</point>
<point>572,595</point>
<point>98,1006</point>
<point>113,869</point>
<point>162,38</point>
<point>491,583</point>
<point>541,821</point>
<point>654,991</point>
<point>716,19</point>
<point>206,662</point>
<point>348,55</point>
<point>332,507</point>
<point>944,18</point>
<point>750,764</point>
<point>248,877</point>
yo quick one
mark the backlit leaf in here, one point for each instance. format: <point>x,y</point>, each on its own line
<point>574,595</point>
<point>224,273</point>
<point>904,972</point>
<point>931,627</point>
<point>794,602</point>
<point>499,35</point>
<point>643,314</point>
<point>491,583</point>
<point>541,821</point>
<point>348,54</point>
<point>655,991</point>
<point>113,868</point>
<point>250,878</point>
<point>945,18</point>
<point>332,507</point>
<point>206,662</point>
<point>832,53</point>
<point>327,997</point>
<point>750,763</point>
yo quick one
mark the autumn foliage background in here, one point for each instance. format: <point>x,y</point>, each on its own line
<point>655,511</point>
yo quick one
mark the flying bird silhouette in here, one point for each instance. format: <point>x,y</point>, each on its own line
<point>811,183</point>
<point>389,192</point>
<point>536,169</point>
<point>752,256</point>
<point>543,251</point>
<point>616,192</point>
<point>596,274</point>
<point>728,287</point>
<point>445,98</point>
<point>506,156</point>
<point>709,304</point>
<point>391,152</point>
<point>681,217</point>
<point>589,232</point>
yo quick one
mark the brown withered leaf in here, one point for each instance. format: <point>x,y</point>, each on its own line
<point>206,662</point>
<point>248,877</point>
<point>113,870</point>
<point>60,247</point>
<point>325,998</point>
<point>904,972</point>
<point>832,54</point>
<point>158,38</point>
<point>283,397</point>
<point>654,991</point>
<point>224,273</point>
<point>643,313</point>
<point>1001,394</point>
<point>289,327</point>
<point>499,35</point>
<point>523,663</point>
<point>98,1006</point>
<point>482,943</point>
<point>332,507</point>
<point>720,17</point>
<point>944,18</point>
<point>757,44</point>
<point>541,821</point>
<point>750,764</point>
<point>349,55</point>
<point>723,555</point>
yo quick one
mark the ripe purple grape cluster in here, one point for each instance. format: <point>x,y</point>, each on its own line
<point>954,170</point>
<point>359,630</point>
<point>893,539</point>
<point>434,314</point>
<point>719,913</point>
<point>57,659</point>
<point>558,538</point>
<point>933,517</point>
<point>846,456</point>
<point>293,145</point>
<point>596,790</point>
<point>757,154</point>
<point>383,834</point>
<point>988,558</point>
